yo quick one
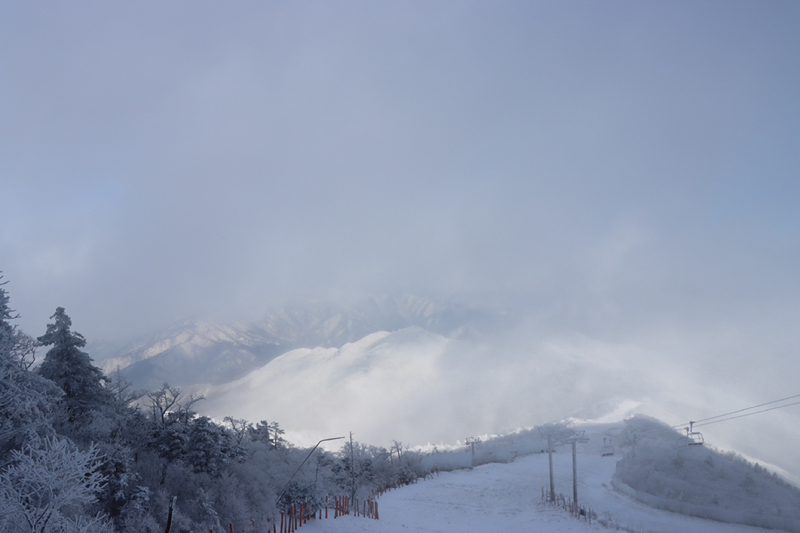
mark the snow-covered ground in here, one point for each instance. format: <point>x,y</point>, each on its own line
<point>508,497</point>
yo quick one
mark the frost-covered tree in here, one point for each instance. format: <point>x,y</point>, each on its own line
<point>6,316</point>
<point>239,427</point>
<point>26,400</point>
<point>278,442</point>
<point>72,369</point>
<point>167,406</point>
<point>15,344</point>
<point>210,447</point>
<point>260,432</point>
<point>136,517</point>
<point>354,469</point>
<point>26,404</point>
<point>170,416</point>
<point>47,487</point>
<point>270,434</point>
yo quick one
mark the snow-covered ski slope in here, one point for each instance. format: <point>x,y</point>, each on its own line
<point>507,497</point>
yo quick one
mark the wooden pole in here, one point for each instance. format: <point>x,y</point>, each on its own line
<point>169,516</point>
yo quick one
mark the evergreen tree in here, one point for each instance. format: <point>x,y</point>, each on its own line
<point>16,346</point>
<point>26,400</point>
<point>6,315</point>
<point>210,447</point>
<point>278,441</point>
<point>72,369</point>
<point>260,432</point>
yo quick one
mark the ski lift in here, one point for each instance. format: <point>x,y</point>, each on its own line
<point>607,448</point>
<point>693,438</point>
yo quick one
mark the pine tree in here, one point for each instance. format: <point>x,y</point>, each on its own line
<point>15,345</point>
<point>209,447</point>
<point>72,369</point>
<point>6,315</point>
<point>26,400</point>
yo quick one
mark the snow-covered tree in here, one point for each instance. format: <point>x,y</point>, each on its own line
<point>167,405</point>
<point>72,369</point>
<point>210,447</point>
<point>46,488</point>
<point>15,344</point>
<point>239,427</point>
<point>354,469</point>
<point>270,434</point>
<point>26,403</point>
<point>260,432</point>
<point>26,400</point>
<point>170,416</point>
<point>6,316</point>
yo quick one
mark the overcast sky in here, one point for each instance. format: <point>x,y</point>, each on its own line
<point>619,168</point>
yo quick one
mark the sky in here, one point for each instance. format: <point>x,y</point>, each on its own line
<point>626,170</point>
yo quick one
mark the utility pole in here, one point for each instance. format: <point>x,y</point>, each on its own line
<point>472,441</point>
<point>352,469</point>
<point>550,460</point>
<point>575,439</point>
<point>556,435</point>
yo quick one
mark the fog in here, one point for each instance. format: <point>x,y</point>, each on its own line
<point>422,389</point>
<point>624,171</point>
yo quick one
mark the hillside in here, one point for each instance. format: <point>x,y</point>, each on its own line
<point>506,496</point>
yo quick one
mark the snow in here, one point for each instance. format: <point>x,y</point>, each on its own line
<point>508,497</point>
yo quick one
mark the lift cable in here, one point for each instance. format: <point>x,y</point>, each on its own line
<point>748,414</point>
<point>748,408</point>
<point>697,422</point>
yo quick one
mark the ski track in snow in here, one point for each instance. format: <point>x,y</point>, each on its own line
<point>507,497</point>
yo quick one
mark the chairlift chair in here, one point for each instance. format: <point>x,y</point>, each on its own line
<point>607,448</point>
<point>693,438</point>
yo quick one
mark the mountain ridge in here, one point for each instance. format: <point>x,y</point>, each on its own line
<point>205,351</point>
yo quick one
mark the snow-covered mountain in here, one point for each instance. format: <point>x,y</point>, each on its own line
<point>204,351</point>
<point>195,351</point>
<point>417,386</point>
<point>329,325</point>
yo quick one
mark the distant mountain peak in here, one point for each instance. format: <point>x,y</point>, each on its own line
<point>205,350</point>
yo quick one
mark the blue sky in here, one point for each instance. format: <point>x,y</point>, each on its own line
<point>617,167</point>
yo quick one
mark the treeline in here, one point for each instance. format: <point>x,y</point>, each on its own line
<point>83,452</point>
